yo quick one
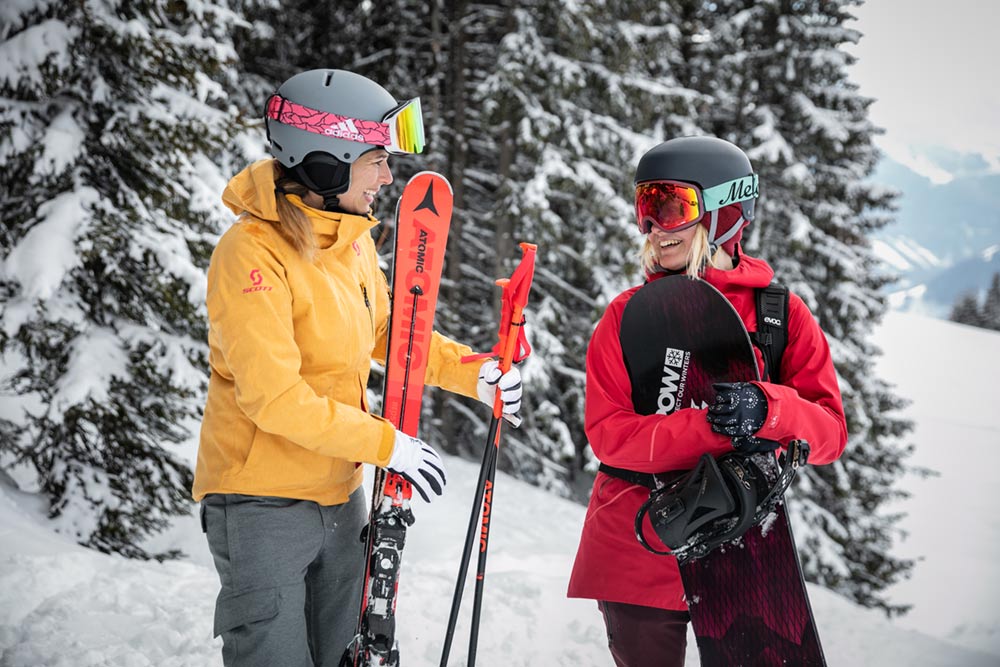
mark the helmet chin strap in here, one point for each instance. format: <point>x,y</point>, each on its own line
<point>715,243</point>
<point>331,203</point>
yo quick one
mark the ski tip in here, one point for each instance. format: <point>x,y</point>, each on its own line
<point>431,175</point>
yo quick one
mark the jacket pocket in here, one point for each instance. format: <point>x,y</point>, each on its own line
<point>608,488</point>
<point>616,495</point>
<point>244,609</point>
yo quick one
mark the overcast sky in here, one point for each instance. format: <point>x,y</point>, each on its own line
<point>934,68</point>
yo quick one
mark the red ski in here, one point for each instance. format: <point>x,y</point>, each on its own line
<point>423,217</point>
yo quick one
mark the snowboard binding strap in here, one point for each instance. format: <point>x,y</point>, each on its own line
<point>716,502</point>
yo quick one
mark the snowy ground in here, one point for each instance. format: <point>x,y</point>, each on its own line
<point>64,605</point>
<point>949,371</point>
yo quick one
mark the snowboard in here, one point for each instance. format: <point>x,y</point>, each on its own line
<point>747,599</point>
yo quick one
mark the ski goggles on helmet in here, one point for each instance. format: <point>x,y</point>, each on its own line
<point>400,131</point>
<point>675,205</point>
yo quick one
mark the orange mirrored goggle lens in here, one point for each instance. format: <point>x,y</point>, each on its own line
<point>669,205</point>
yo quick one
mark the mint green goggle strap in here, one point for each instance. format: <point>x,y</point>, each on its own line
<point>740,189</point>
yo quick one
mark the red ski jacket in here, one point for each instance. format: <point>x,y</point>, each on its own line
<point>803,403</point>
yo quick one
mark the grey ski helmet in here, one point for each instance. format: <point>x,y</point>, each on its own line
<point>320,121</point>
<point>720,170</point>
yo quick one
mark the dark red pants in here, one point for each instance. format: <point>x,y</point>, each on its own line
<point>645,636</point>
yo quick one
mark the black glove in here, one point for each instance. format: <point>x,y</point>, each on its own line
<point>740,409</point>
<point>748,444</point>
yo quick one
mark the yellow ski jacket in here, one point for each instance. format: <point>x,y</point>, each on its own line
<point>290,349</point>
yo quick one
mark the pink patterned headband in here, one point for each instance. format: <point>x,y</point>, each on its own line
<point>328,124</point>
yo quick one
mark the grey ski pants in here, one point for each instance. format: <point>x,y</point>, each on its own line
<point>291,574</point>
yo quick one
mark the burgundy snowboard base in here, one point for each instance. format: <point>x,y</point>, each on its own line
<point>747,599</point>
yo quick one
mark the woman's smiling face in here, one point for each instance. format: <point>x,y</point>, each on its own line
<point>672,249</point>
<point>368,174</point>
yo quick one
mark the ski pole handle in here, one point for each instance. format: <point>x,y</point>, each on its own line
<point>511,333</point>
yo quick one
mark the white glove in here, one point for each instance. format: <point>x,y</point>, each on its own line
<point>417,461</point>
<point>490,378</point>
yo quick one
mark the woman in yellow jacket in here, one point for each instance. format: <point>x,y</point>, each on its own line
<point>298,308</point>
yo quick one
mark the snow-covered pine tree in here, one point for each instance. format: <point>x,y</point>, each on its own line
<point>112,115</point>
<point>967,311</point>
<point>979,311</point>
<point>575,94</point>
<point>777,74</point>
<point>991,305</point>
<point>288,37</point>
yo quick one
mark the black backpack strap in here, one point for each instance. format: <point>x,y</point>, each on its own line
<point>771,336</point>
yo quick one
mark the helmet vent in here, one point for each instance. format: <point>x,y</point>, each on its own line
<point>329,77</point>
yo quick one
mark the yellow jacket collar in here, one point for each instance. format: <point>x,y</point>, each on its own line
<point>334,230</point>
<point>252,191</point>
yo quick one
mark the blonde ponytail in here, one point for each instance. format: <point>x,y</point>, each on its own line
<point>293,224</point>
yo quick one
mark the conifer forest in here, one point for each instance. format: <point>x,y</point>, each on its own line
<point>121,122</point>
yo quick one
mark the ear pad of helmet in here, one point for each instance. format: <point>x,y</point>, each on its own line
<point>323,174</point>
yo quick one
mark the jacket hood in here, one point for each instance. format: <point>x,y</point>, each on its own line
<point>252,192</point>
<point>728,217</point>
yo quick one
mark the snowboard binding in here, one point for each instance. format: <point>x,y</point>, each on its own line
<point>716,502</point>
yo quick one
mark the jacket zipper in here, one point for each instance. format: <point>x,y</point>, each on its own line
<point>371,320</point>
<point>368,307</point>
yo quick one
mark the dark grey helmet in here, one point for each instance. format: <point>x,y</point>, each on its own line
<point>703,161</point>
<point>333,91</point>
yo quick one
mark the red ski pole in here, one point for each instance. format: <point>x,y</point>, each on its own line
<point>511,347</point>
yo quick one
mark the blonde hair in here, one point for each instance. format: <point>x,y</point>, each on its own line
<point>699,255</point>
<point>293,224</point>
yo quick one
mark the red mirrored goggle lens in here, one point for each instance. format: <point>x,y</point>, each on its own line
<point>668,205</point>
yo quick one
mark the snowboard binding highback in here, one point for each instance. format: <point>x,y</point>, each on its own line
<point>716,502</point>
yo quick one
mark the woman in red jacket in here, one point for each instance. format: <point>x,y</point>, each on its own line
<point>694,196</point>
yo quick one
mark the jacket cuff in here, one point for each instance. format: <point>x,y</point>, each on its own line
<point>773,428</point>
<point>386,445</point>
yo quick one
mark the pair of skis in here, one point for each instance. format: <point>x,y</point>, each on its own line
<point>423,218</point>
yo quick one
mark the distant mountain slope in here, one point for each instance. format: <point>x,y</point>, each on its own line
<point>970,275</point>
<point>946,236</point>
<point>954,220</point>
